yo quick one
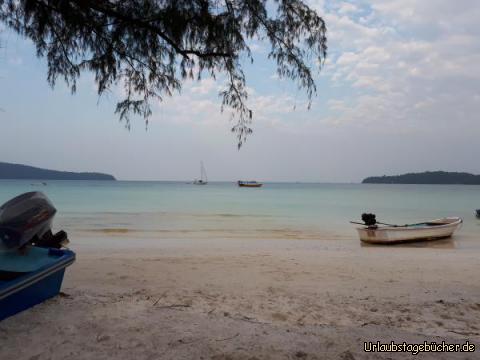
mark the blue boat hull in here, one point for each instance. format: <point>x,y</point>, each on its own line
<point>34,287</point>
<point>32,295</point>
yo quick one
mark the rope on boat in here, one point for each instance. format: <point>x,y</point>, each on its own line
<point>370,221</point>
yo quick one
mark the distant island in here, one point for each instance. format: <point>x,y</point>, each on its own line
<point>17,171</point>
<point>428,177</point>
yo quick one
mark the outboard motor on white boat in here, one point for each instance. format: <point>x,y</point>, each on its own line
<point>27,219</point>
<point>369,220</point>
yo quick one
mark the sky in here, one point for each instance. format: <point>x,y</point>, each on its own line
<point>399,92</point>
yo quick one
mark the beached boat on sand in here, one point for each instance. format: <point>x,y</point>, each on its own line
<point>249,184</point>
<point>32,263</point>
<point>392,234</point>
<point>30,277</point>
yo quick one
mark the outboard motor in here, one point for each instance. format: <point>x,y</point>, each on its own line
<point>369,220</point>
<point>27,219</point>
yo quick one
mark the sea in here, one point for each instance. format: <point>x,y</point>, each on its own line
<point>305,211</point>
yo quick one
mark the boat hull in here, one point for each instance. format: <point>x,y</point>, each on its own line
<point>251,185</point>
<point>395,235</point>
<point>32,288</point>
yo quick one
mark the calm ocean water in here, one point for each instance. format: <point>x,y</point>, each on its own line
<point>284,210</point>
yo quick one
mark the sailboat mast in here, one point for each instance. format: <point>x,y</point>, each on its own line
<point>203,172</point>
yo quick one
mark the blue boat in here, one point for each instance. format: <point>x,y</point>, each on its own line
<point>30,278</point>
<point>32,261</point>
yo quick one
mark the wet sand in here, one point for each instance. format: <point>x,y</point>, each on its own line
<point>131,297</point>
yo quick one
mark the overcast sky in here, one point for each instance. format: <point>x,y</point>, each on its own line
<point>400,92</point>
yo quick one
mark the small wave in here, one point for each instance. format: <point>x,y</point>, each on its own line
<point>112,230</point>
<point>261,233</point>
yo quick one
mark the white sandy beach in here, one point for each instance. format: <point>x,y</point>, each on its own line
<point>250,299</point>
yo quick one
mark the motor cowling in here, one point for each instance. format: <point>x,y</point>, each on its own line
<point>27,218</point>
<point>369,219</point>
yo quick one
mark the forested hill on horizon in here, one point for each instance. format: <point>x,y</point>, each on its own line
<point>18,171</point>
<point>428,177</point>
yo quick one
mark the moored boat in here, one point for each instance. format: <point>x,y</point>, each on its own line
<point>380,233</point>
<point>477,213</point>
<point>249,184</point>
<point>203,176</point>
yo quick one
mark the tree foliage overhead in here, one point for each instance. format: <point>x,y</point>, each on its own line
<point>151,47</point>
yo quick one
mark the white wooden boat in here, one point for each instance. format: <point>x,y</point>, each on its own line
<point>392,234</point>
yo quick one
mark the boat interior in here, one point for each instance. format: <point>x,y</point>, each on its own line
<point>15,263</point>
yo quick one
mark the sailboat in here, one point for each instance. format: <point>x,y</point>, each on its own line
<point>203,176</point>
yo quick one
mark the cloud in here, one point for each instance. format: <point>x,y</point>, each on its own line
<point>347,8</point>
<point>199,105</point>
<point>394,66</point>
<point>204,86</point>
<point>391,71</point>
<point>404,63</point>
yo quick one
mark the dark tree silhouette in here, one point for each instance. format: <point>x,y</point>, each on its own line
<point>151,46</point>
<point>428,177</point>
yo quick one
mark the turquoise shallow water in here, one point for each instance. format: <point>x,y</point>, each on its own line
<point>293,209</point>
